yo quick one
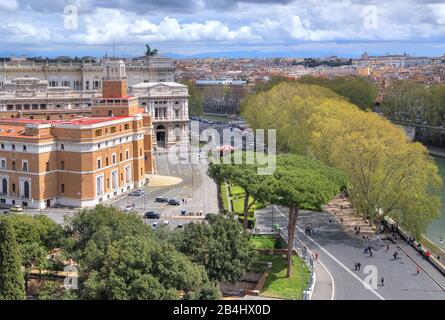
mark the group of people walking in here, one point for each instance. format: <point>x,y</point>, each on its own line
<point>312,231</point>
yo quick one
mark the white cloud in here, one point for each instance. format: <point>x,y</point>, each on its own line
<point>109,24</point>
<point>8,5</point>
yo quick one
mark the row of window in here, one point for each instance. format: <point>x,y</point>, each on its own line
<point>13,148</point>
<point>100,132</point>
<point>4,165</point>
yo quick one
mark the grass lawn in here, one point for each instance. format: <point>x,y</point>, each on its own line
<point>263,242</point>
<point>236,191</point>
<point>278,286</point>
<point>224,198</point>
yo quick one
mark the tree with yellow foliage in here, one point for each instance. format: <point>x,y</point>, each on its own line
<point>387,173</point>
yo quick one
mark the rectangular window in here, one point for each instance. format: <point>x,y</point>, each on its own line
<point>13,165</point>
<point>47,166</point>
<point>106,162</point>
<point>3,164</point>
<point>62,165</point>
<point>62,188</point>
<point>98,163</point>
<point>25,166</point>
<point>126,126</point>
<point>98,133</point>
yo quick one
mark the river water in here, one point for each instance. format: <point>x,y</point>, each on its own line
<point>436,230</point>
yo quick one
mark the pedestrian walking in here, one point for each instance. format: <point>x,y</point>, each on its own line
<point>316,256</point>
<point>359,265</point>
<point>417,270</point>
<point>382,281</point>
<point>395,255</point>
<point>356,266</point>
<point>387,248</point>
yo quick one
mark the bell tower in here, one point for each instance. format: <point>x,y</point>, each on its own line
<point>115,101</point>
<point>114,84</point>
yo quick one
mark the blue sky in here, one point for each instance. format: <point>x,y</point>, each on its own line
<point>223,27</point>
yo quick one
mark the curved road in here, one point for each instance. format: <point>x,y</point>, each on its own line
<point>339,250</point>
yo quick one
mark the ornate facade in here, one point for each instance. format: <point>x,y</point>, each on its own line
<point>167,102</point>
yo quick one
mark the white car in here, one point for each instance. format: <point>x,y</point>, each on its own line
<point>166,222</point>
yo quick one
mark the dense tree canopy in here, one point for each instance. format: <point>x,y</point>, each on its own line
<point>358,90</point>
<point>11,276</point>
<point>120,259</point>
<point>413,102</point>
<point>222,247</point>
<point>387,174</point>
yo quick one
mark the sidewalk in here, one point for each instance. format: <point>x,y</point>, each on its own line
<point>323,284</point>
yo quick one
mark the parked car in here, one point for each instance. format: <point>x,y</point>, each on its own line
<point>154,225</point>
<point>166,222</point>
<point>174,202</point>
<point>180,226</point>
<point>152,215</point>
<point>161,199</point>
<point>136,193</point>
<point>16,209</point>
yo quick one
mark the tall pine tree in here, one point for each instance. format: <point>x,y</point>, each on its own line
<point>11,275</point>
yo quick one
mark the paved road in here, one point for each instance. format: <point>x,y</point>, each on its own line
<point>199,190</point>
<point>339,251</point>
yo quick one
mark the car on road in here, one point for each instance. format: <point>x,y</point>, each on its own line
<point>136,193</point>
<point>154,225</point>
<point>16,209</point>
<point>161,199</point>
<point>152,215</point>
<point>180,226</point>
<point>166,222</point>
<point>174,202</point>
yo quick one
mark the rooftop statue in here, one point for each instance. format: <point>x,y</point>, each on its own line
<point>149,52</point>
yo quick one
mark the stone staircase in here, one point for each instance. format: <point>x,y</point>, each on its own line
<point>162,181</point>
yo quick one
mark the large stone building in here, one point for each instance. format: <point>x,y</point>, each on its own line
<point>167,101</point>
<point>394,61</point>
<point>79,162</point>
<point>87,76</point>
<point>33,96</point>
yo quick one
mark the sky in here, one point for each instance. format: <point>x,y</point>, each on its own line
<point>227,28</point>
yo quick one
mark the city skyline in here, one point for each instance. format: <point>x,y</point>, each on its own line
<point>199,28</point>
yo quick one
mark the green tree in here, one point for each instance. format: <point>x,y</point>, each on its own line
<point>119,259</point>
<point>300,182</point>
<point>358,90</point>
<point>196,101</point>
<point>11,276</point>
<point>222,247</point>
<point>383,167</point>
<point>243,175</point>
